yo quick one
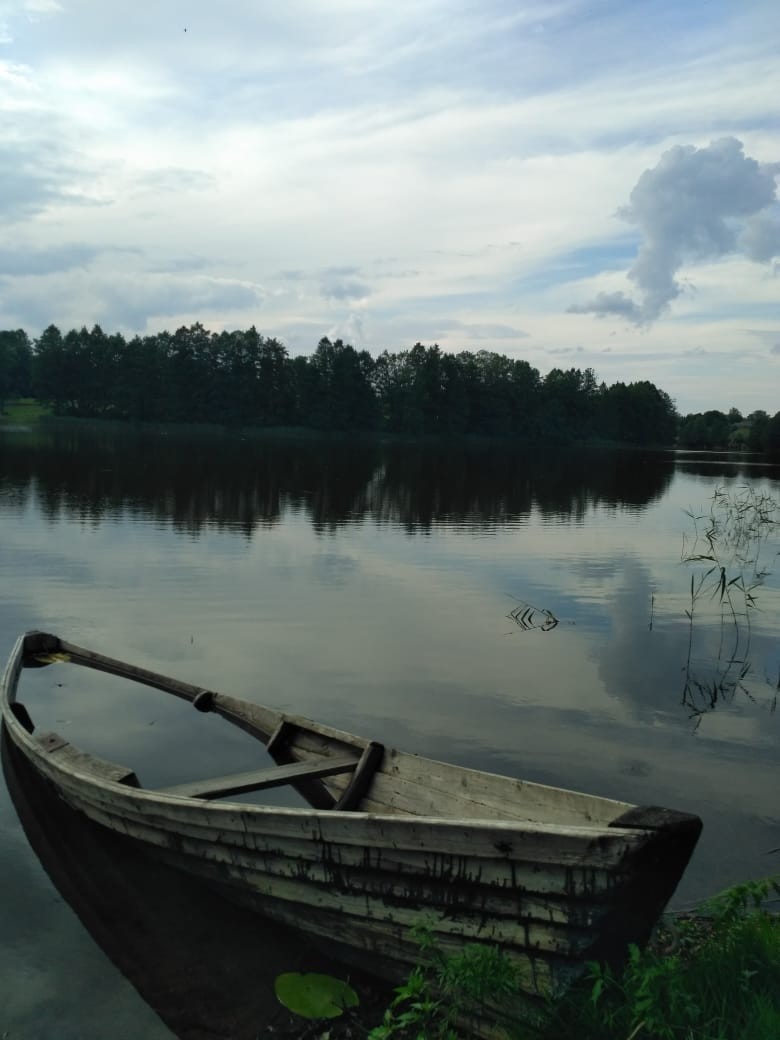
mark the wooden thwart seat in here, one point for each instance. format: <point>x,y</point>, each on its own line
<point>362,768</point>
<point>261,779</point>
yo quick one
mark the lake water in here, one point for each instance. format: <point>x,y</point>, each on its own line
<point>495,606</point>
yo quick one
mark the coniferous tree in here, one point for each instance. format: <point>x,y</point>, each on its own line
<point>240,378</point>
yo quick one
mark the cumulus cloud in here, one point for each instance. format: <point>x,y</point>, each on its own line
<point>697,204</point>
<point>760,239</point>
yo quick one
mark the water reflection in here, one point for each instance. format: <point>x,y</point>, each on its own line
<point>732,465</point>
<point>194,481</point>
<point>367,585</point>
<point>667,667</point>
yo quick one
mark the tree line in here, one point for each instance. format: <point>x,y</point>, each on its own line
<point>244,379</point>
<point>721,431</point>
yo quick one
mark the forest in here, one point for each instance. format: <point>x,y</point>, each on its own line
<point>243,379</point>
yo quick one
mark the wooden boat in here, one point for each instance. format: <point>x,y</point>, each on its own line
<point>553,877</point>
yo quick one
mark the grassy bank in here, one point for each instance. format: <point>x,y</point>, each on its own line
<point>24,411</point>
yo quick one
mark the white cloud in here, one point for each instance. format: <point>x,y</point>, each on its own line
<point>688,208</point>
<point>42,6</point>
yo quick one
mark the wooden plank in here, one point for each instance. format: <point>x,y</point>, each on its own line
<point>330,733</point>
<point>409,784</point>
<point>468,921</point>
<point>76,761</point>
<point>566,846</point>
<point>102,663</point>
<point>261,779</point>
<point>582,882</point>
<point>451,894</point>
<point>11,673</point>
<point>254,719</point>
<point>369,762</point>
<point>390,939</point>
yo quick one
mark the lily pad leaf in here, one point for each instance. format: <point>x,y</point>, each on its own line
<point>314,996</point>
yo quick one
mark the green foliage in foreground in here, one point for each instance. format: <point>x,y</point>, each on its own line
<point>314,996</point>
<point>719,979</point>
<point>443,991</point>
<point>720,982</point>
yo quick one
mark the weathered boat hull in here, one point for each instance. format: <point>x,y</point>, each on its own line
<point>553,877</point>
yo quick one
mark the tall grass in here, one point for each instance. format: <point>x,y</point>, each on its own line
<point>711,975</point>
<point>720,980</point>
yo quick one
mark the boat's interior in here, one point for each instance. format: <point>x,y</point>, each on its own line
<point>330,768</point>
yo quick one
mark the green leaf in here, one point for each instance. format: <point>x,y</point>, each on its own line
<point>314,996</point>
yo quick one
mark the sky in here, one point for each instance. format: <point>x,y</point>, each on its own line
<point>578,184</point>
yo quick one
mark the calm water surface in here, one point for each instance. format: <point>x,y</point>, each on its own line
<point>405,592</point>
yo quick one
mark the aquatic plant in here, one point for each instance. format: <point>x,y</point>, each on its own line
<point>728,546</point>
<point>444,993</point>
<point>314,996</point>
